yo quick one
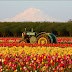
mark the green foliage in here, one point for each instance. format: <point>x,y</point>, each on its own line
<point>16,28</point>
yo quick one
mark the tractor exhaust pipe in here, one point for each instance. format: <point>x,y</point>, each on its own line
<point>25,31</point>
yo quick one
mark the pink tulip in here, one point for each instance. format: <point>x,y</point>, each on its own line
<point>61,68</point>
<point>38,67</point>
<point>1,67</point>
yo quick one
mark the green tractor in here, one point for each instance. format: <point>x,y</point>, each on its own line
<point>40,38</point>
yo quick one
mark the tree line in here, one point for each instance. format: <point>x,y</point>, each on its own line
<point>15,29</point>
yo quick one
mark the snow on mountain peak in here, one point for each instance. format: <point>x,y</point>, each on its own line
<point>31,14</point>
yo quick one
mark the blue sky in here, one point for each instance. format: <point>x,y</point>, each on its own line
<point>61,10</point>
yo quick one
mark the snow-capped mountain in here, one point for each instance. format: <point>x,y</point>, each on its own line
<point>31,14</point>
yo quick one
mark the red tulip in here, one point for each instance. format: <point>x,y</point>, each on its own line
<point>34,68</point>
<point>52,64</point>
<point>14,68</point>
<point>22,69</point>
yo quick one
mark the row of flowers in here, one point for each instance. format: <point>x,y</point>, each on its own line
<point>64,40</point>
<point>36,50</point>
<point>10,39</point>
<point>35,59</point>
<point>34,45</point>
<point>59,40</point>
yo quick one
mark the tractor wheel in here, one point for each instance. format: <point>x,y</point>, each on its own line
<point>42,39</point>
<point>33,39</point>
<point>23,41</point>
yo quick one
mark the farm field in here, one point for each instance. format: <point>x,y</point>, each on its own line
<point>22,57</point>
<point>35,59</point>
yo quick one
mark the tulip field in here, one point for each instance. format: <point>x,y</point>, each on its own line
<point>23,57</point>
